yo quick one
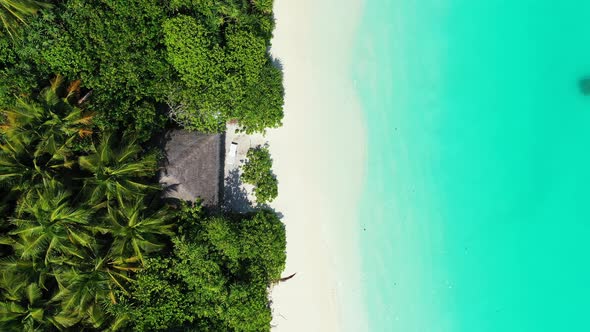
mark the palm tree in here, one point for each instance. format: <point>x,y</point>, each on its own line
<point>27,270</point>
<point>5,197</point>
<point>82,292</point>
<point>23,307</point>
<point>48,226</point>
<point>38,135</point>
<point>117,170</point>
<point>135,231</point>
<point>62,120</point>
<point>13,12</point>
<point>18,168</point>
<point>51,123</point>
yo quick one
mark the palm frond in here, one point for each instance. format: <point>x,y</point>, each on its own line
<point>73,87</point>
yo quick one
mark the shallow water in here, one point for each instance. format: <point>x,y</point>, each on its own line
<point>476,211</point>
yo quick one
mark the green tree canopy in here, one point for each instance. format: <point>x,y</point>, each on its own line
<point>257,171</point>
<point>207,58</point>
<point>216,278</point>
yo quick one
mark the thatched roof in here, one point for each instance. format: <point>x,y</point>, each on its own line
<point>193,166</point>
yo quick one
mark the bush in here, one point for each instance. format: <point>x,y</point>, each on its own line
<point>257,171</point>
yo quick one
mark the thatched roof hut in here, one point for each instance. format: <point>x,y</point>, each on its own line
<point>193,166</point>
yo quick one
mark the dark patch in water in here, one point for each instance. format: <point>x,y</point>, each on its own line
<point>584,84</point>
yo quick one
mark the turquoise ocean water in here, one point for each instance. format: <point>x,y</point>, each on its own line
<point>476,210</point>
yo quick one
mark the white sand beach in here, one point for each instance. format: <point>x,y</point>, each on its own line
<point>319,160</point>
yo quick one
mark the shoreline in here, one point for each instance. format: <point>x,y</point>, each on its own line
<point>319,158</point>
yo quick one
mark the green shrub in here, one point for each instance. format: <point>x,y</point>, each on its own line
<point>257,171</point>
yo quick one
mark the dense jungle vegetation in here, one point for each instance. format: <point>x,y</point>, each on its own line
<point>204,62</point>
<point>86,241</point>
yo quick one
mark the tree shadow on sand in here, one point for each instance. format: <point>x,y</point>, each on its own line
<point>235,197</point>
<point>234,194</point>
